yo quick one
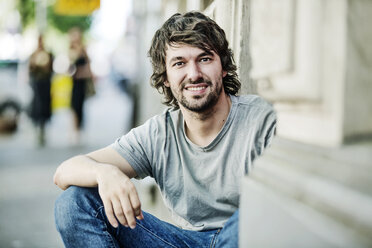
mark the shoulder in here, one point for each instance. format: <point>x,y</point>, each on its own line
<point>253,111</point>
<point>167,117</point>
<point>166,114</point>
<point>252,101</point>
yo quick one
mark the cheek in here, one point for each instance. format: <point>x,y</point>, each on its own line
<point>174,78</point>
<point>214,74</point>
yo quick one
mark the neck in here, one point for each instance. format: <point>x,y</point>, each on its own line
<point>202,128</point>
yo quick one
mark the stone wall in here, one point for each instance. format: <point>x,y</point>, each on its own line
<point>358,81</point>
<point>312,59</point>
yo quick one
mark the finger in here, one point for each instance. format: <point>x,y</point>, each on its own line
<point>128,212</point>
<point>110,213</point>
<point>136,204</point>
<point>118,210</point>
<point>140,216</point>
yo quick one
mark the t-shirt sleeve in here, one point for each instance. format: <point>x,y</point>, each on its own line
<point>136,148</point>
<point>266,130</point>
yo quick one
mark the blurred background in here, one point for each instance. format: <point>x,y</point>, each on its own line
<point>311,59</point>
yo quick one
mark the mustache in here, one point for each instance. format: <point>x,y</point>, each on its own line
<point>200,80</point>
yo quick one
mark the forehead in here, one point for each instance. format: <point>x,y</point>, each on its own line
<point>184,51</point>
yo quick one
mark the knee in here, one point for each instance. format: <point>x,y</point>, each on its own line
<point>65,207</point>
<point>229,234</point>
<point>233,222</point>
<point>69,206</point>
<point>235,217</point>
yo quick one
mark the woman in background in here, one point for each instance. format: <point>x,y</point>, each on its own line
<point>40,70</point>
<point>81,74</point>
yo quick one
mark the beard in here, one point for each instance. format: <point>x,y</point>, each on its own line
<point>201,106</point>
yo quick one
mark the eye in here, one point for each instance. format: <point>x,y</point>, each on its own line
<point>205,59</point>
<point>178,64</point>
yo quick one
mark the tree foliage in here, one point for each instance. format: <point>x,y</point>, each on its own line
<point>62,23</point>
<point>26,9</point>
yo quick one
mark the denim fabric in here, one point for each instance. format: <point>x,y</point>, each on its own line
<point>81,221</point>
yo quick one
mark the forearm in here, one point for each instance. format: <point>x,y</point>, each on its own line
<point>93,168</point>
<point>79,170</point>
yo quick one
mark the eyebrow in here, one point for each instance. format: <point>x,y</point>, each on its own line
<point>206,53</point>
<point>177,58</point>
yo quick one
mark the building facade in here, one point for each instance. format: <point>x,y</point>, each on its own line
<point>313,61</point>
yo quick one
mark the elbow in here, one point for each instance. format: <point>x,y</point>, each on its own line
<point>57,179</point>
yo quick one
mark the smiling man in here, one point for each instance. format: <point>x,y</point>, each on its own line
<point>196,73</point>
<point>197,151</point>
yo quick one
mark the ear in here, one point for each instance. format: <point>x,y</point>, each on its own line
<point>166,83</point>
<point>224,73</point>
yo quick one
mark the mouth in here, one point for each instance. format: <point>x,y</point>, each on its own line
<point>198,85</point>
<point>195,88</point>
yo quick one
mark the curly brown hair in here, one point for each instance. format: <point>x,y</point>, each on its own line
<point>195,29</point>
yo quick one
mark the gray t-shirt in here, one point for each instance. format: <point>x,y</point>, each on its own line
<point>200,185</point>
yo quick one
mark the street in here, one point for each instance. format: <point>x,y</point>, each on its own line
<point>27,191</point>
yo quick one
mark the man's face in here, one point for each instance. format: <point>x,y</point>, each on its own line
<point>194,76</point>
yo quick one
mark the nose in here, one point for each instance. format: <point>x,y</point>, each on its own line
<point>194,72</point>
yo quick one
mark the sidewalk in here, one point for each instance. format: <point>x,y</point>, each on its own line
<point>27,192</point>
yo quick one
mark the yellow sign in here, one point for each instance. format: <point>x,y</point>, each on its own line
<point>61,91</point>
<point>76,7</point>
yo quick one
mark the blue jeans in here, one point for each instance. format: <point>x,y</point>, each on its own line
<point>81,221</point>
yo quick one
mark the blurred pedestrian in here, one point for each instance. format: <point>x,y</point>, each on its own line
<point>82,76</point>
<point>40,70</point>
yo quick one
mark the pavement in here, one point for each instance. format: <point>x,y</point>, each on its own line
<point>27,191</point>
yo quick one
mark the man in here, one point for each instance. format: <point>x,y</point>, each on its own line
<point>197,152</point>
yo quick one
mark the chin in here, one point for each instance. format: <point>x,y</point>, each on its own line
<point>199,107</point>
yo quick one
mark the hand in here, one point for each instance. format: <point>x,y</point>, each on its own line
<point>119,196</point>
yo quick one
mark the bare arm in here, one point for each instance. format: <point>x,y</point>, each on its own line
<point>109,171</point>
<point>83,170</point>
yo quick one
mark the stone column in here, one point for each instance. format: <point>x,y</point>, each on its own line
<point>357,122</point>
<point>313,60</point>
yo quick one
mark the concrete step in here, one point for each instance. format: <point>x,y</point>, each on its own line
<point>350,165</point>
<point>323,183</point>
<point>271,219</point>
